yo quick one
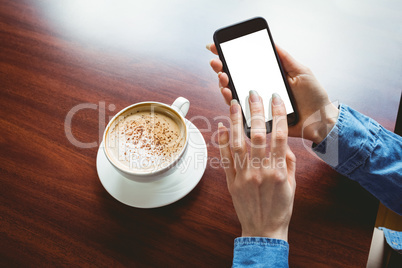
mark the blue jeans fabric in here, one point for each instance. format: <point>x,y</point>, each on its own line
<point>357,147</point>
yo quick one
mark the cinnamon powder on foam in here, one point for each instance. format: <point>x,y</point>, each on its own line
<point>146,141</point>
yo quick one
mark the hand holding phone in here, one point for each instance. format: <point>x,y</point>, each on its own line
<point>250,60</point>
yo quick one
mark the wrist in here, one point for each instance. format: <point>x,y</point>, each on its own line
<point>280,234</point>
<point>329,117</point>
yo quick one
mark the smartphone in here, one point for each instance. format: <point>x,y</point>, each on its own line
<point>249,58</point>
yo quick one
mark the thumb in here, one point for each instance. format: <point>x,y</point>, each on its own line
<point>289,64</point>
<point>291,165</point>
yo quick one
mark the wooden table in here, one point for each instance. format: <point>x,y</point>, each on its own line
<point>55,55</point>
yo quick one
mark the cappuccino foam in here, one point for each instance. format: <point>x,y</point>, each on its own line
<point>145,141</point>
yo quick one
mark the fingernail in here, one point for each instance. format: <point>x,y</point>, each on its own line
<point>234,108</point>
<point>253,96</point>
<point>276,99</point>
<point>220,125</point>
<point>208,47</point>
<point>219,74</point>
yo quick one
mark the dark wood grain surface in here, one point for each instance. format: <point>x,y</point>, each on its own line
<point>57,55</point>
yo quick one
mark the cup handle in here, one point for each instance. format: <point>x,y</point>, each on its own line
<point>181,105</point>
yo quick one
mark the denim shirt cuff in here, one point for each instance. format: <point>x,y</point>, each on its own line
<point>393,238</point>
<point>361,149</point>
<point>260,252</point>
<point>350,141</point>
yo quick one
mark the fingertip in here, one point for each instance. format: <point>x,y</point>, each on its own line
<point>227,95</point>
<point>278,106</point>
<point>212,62</point>
<point>276,99</point>
<point>291,66</point>
<point>223,79</point>
<point>253,96</point>
<point>280,49</point>
<point>213,49</point>
<point>234,107</point>
<point>216,65</point>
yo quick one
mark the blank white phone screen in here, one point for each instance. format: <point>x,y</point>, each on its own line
<point>253,66</point>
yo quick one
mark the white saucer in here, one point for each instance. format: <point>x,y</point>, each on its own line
<point>163,192</point>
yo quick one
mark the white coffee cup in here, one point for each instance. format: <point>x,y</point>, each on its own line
<point>177,111</point>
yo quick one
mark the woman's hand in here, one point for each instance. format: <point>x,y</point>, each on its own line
<point>311,98</point>
<point>262,187</point>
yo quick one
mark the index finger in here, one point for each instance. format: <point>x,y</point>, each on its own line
<point>279,138</point>
<point>258,132</point>
<point>239,148</point>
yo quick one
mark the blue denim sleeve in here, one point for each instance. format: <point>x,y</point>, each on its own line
<point>393,238</point>
<point>361,149</point>
<point>260,252</point>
